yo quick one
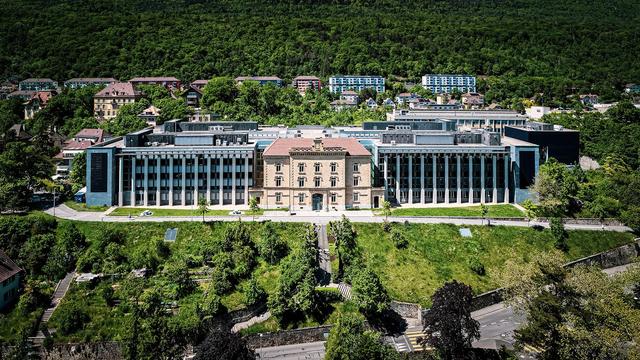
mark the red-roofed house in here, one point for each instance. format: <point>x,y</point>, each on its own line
<point>76,145</point>
<point>37,102</point>
<point>317,174</point>
<point>109,100</point>
<point>10,275</point>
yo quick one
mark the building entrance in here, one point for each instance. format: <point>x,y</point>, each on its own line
<point>316,202</point>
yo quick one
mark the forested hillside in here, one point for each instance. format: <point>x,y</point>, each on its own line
<point>573,46</point>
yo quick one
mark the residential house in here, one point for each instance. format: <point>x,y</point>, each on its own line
<point>262,80</point>
<point>193,95</point>
<point>200,84</point>
<point>537,112</point>
<point>168,82</point>
<point>305,83</point>
<point>405,98</point>
<point>471,100</point>
<point>342,104</point>
<point>37,102</point>
<point>32,84</point>
<point>23,95</point>
<point>589,99</point>
<point>10,276</point>
<point>632,88</point>
<point>371,103</point>
<point>448,83</point>
<point>388,103</point>
<point>108,101</point>
<point>341,83</point>
<point>19,132</point>
<point>6,88</point>
<point>77,83</point>
<point>150,115</point>
<point>76,145</point>
<point>350,95</point>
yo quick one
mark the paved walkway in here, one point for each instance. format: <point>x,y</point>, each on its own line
<point>254,320</point>
<point>319,217</point>
<point>61,290</point>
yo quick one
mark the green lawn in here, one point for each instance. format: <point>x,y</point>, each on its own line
<point>124,211</point>
<point>495,211</point>
<point>437,253</point>
<point>83,207</point>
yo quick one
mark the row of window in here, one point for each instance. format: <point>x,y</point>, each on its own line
<point>317,166</point>
<point>333,197</point>
<point>317,181</point>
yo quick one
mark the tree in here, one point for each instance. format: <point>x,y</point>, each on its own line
<point>254,207</point>
<point>530,210</point>
<point>398,238</point>
<point>556,189</point>
<point>154,92</point>
<point>203,207</point>
<point>344,236</point>
<point>253,293</point>
<point>348,339</point>
<point>449,326</point>
<point>71,318</point>
<point>222,344</point>
<point>177,274</point>
<point>171,109</point>
<point>369,293</point>
<point>386,210</point>
<point>78,173</point>
<point>218,92</point>
<point>35,252</point>
<point>484,210</point>
<point>559,234</point>
<point>271,246</point>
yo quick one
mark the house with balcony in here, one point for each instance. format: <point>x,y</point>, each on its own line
<point>37,102</point>
<point>448,83</point>
<point>76,145</point>
<point>150,115</point>
<point>192,96</point>
<point>108,101</point>
<point>472,101</point>
<point>341,83</point>
<point>77,83</point>
<point>262,80</point>
<point>200,83</point>
<point>306,83</point>
<point>38,84</point>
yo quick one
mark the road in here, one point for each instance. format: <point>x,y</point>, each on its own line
<point>321,218</point>
<point>313,350</point>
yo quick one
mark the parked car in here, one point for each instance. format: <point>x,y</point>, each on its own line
<point>146,213</point>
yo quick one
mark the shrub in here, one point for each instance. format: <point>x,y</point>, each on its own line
<point>476,266</point>
<point>253,293</point>
<point>399,239</point>
<point>71,318</point>
<point>386,226</point>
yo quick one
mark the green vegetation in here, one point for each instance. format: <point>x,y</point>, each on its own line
<point>495,211</point>
<point>437,253</point>
<point>83,207</point>
<point>521,53</point>
<point>126,211</point>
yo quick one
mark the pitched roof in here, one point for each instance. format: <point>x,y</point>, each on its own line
<point>7,267</point>
<point>42,96</point>
<point>90,133</point>
<point>258,78</point>
<point>200,82</point>
<point>282,146</point>
<point>20,131</point>
<point>306,77</point>
<point>349,93</point>
<point>77,145</point>
<point>151,110</point>
<point>159,78</point>
<point>37,80</point>
<point>91,80</point>
<point>117,89</point>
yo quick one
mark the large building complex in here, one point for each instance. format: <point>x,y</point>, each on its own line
<point>341,83</point>
<point>77,83</point>
<point>447,83</point>
<point>495,120</point>
<point>32,84</point>
<point>310,167</point>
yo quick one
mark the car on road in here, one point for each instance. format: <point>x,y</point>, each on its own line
<point>236,212</point>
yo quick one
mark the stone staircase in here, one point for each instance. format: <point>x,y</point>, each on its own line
<point>61,290</point>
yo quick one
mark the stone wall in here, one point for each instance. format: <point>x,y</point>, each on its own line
<point>241,315</point>
<point>621,255</point>
<point>287,337</point>
<point>85,351</point>
<point>408,311</point>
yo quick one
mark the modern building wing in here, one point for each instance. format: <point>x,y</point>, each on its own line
<point>448,83</point>
<point>554,140</point>
<point>342,83</point>
<point>494,120</point>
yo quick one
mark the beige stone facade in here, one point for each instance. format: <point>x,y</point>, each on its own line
<point>108,101</point>
<point>320,174</point>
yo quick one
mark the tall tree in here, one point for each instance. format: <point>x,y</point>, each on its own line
<point>449,326</point>
<point>348,340</point>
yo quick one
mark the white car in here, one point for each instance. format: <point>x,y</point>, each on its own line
<point>236,212</point>
<point>146,213</point>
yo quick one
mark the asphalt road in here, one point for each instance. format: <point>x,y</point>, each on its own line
<point>313,350</point>
<point>321,218</point>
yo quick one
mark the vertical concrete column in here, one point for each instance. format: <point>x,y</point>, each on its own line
<point>146,180</point>
<point>170,180</point>
<point>398,177</point>
<point>246,180</point>
<point>482,175</point>
<point>133,180</point>
<point>470,179</point>
<point>422,199</point>
<point>196,194</point>
<point>233,180</point>
<point>410,179</point>
<point>386,176</point>
<point>221,185</point>
<point>506,179</point>
<point>434,159</point>
<point>494,164</point>
<point>458,179</point>
<point>158,163</point>
<point>184,180</point>
<point>446,178</point>
<point>120,180</point>
<point>209,178</point>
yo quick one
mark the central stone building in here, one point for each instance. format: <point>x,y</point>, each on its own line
<point>317,174</point>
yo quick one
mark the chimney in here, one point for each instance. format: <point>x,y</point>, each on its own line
<point>317,144</point>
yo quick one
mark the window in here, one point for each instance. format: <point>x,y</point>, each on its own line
<point>334,167</point>
<point>278,167</point>
<point>301,167</point>
<point>278,181</point>
<point>301,197</point>
<point>334,182</point>
<point>356,180</point>
<point>300,182</point>
<point>334,198</point>
<point>316,167</point>
<point>278,197</point>
<point>356,197</point>
<point>316,181</point>
<point>356,167</point>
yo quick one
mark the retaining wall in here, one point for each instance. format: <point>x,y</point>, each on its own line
<point>287,337</point>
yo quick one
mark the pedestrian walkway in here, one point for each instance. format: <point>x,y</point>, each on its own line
<point>324,258</point>
<point>254,320</point>
<point>61,290</point>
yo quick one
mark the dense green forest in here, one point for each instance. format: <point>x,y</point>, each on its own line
<point>519,48</point>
